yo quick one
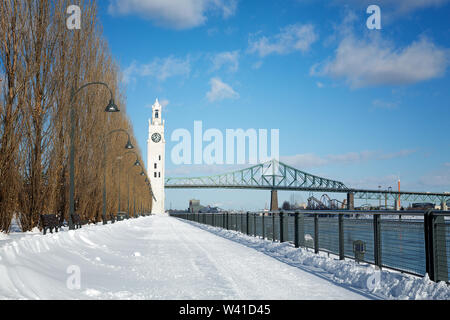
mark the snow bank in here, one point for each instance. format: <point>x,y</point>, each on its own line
<point>167,258</point>
<point>34,266</point>
<point>385,284</point>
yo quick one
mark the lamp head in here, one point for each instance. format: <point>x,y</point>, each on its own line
<point>129,145</point>
<point>112,107</point>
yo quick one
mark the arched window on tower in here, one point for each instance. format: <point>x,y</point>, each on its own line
<point>156,114</point>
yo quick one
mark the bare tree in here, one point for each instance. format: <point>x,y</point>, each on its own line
<point>41,63</point>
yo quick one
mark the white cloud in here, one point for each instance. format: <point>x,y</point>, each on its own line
<point>220,91</point>
<point>381,104</point>
<point>128,75</point>
<point>160,69</point>
<point>164,103</point>
<point>257,65</point>
<point>376,62</point>
<point>292,38</point>
<point>311,160</point>
<point>176,14</point>
<point>228,58</point>
<point>438,178</point>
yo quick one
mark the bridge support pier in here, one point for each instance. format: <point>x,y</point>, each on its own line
<point>350,201</point>
<point>444,206</point>
<point>396,204</point>
<point>274,200</point>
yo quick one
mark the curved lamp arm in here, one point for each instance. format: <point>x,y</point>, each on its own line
<point>128,146</point>
<point>75,92</point>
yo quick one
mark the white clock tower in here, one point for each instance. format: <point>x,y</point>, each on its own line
<point>156,145</point>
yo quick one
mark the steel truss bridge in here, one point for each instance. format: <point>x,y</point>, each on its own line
<point>275,175</point>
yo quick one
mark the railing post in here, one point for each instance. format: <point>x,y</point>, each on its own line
<point>254,224</point>
<point>296,235</point>
<point>301,230</point>
<point>341,237</point>
<point>227,222</point>
<point>281,227</point>
<point>247,227</point>
<point>435,247</point>
<point>273,226</point>
<point>263,226</point>
<point>377,240</point>
<point>316,233</point>
<point>428,231</point>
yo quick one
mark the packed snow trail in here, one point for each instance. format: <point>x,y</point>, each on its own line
<point>151,258</point>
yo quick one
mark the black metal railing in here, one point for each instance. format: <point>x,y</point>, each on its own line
<point>414,242</point>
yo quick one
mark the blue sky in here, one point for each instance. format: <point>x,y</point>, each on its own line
<point>360,106</point>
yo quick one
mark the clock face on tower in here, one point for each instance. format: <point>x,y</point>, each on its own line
<point>156,137</point>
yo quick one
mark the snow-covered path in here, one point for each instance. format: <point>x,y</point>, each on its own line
<point>151,258</point>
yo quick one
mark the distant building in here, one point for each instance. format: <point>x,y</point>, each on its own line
<point>194,206</point>
<point>209,209</point>
<point>422,206</point>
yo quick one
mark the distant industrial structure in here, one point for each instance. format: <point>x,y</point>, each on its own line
<point>196,207</point>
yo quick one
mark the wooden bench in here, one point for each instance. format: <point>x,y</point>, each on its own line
<point>76,219</point>
<point>50,222</point>
<point>122,216</point>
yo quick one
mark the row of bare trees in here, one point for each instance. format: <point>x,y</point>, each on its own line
<point>41,62</point>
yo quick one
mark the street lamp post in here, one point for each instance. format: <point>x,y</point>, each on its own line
<point>134,191</point>
<point>128,146</point>
<point>136,163</point>
<point>111,108</point>
<point>120,171</point>
<point>119,159</point>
